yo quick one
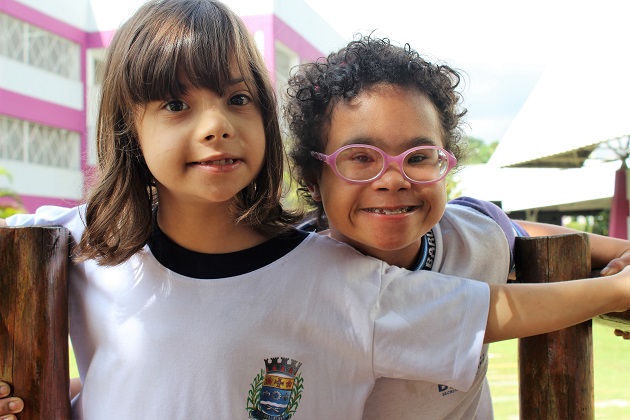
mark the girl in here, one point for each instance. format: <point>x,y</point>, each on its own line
<point>190,296</point>
<point>373,94</point>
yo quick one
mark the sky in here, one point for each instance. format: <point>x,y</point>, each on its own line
<point>500,47</point>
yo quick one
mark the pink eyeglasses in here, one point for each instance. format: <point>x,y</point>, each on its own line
<point>362,163</point>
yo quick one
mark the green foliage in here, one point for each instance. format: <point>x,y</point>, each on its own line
<point>479,151</point>
<point>10,202</point>
<point>591,224</point>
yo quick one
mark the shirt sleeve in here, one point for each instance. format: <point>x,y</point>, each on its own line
<point>70,218</point>
<point>430,327</point>
<point>509,227</point>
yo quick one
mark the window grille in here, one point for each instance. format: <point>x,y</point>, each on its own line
<point>28,142</point>
<point>36,47</point>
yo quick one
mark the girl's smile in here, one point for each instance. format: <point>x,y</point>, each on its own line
<point>220,165</point>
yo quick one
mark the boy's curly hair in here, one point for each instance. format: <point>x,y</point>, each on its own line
<point>315,88</point>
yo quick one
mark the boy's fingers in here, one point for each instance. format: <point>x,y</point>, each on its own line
<point>5,389</point>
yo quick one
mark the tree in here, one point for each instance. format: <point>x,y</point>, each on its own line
<point>10,201</point>
<point>479,151</point>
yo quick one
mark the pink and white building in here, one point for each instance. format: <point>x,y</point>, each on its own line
<point>51,55</point>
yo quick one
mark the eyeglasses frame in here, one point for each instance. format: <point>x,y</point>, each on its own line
<point>399,159</point>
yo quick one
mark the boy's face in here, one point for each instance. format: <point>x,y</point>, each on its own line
<point>388,217</point>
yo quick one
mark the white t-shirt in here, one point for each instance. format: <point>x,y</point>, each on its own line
<point>305,335</point>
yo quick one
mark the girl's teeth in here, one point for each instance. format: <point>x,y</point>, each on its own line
<point>222,162</point>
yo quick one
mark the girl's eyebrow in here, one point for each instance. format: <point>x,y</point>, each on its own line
<point>237,81</point>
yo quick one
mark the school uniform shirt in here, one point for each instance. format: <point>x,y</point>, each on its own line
<point>299,326</point>
<point>474,239</point>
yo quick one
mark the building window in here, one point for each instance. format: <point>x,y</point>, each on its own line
<point>35,47</point>
<point>27,142</point>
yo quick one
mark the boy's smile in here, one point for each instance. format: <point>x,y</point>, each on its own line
<point>388,217</point>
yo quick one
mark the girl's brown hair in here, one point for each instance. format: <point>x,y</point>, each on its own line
<point>163,41</point>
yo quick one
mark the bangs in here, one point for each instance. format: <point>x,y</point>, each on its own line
<point>199,45</point>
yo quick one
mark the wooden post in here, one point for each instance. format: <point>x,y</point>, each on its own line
<point>556,369</point>
<point>34,319</point>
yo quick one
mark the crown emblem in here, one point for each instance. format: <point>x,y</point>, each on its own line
<point>282,365</point>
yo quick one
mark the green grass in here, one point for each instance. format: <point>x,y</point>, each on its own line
<point>611,359</point>
<point>74,371</point>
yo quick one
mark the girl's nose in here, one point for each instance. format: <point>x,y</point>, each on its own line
<point>213,136</point>
<point>216,125</point>
<point>392,179</point>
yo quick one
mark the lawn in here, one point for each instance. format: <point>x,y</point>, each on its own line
<point>611,363</point>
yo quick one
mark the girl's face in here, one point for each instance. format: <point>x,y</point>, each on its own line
<point>204,147</point>
<point>388,217</point>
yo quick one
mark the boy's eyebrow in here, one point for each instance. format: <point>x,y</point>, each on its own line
<point>415,142</point>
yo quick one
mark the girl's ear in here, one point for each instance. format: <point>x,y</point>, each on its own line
<point>314,190</point>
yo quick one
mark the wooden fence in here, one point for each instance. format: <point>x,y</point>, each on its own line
<point>556,370</point>
<point>34,319</point>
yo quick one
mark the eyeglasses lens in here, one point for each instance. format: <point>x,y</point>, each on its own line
<point>359,163</point>
<point>364,164</point>
<point>425,164</point>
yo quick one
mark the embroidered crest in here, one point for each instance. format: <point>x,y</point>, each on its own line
<point>275,392</point>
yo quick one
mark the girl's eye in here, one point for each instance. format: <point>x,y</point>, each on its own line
<point>240,99</point>
<point>176,106</point>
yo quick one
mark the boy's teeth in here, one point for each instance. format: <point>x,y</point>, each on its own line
<point>383,211</point>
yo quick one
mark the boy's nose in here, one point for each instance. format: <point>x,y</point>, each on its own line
<point>392,179</point>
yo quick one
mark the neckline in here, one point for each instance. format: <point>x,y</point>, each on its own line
<point>427,248</point>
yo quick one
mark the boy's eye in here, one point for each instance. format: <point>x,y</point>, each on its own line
<point>416,158</point>
<point>240,99</point>
<point>362,158</point>
<point>176,106</point>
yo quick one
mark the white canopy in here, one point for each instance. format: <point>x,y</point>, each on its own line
<point>582,99</point>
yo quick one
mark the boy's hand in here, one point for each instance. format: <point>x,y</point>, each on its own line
<point>616,265</point>
<point>9,406</point>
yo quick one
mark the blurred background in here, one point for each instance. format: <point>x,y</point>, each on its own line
<point>546,85</point>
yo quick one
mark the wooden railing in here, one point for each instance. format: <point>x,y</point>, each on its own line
<point>556,370</point>
<point>34,319</point>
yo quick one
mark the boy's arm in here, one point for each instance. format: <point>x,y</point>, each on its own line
<point>523,310</point>
<point>611,253</point>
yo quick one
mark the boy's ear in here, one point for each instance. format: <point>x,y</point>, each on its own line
<point>314,190</point>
